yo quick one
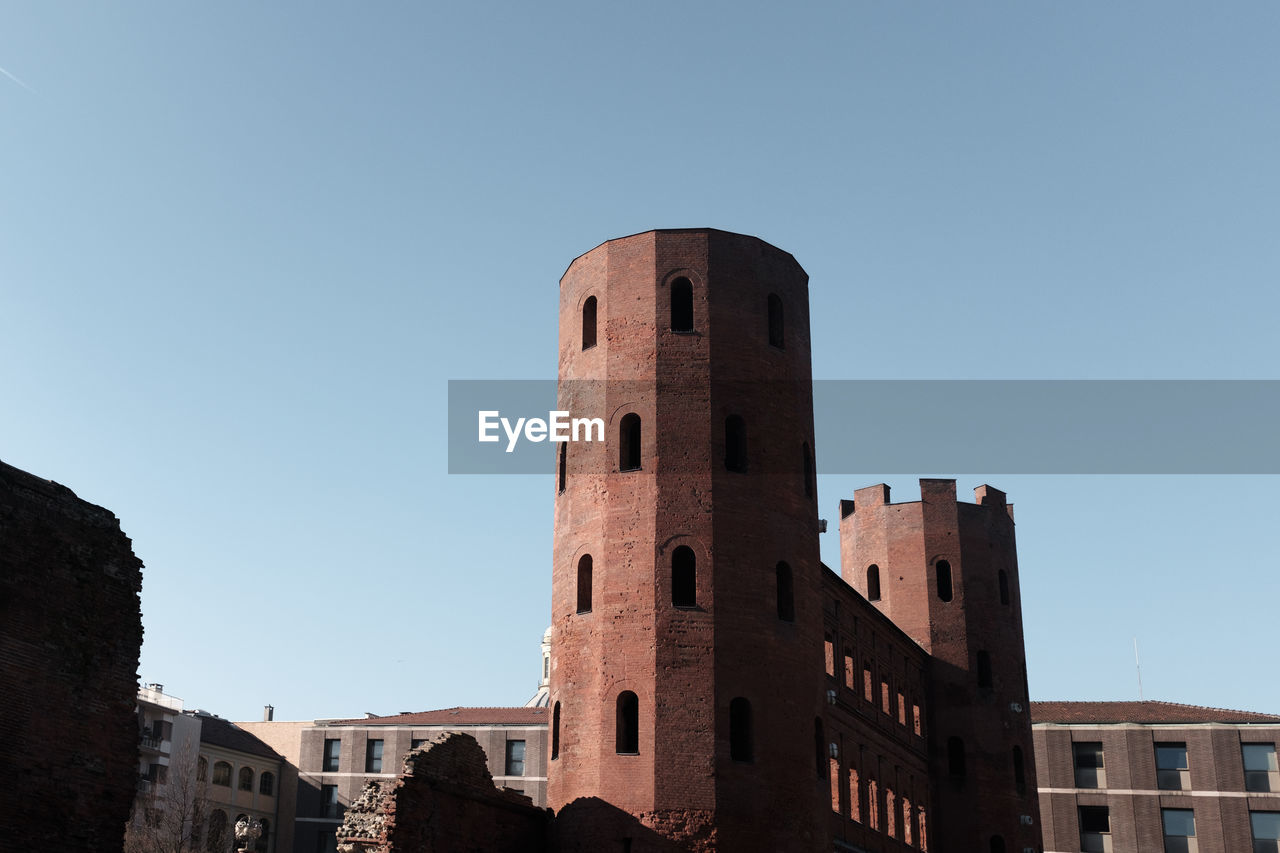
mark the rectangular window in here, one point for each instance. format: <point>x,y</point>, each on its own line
<point>1095,829</point>
<point>849,671</point>
<point>515,758</point>
<point>417,742</point>
<point>1179,830</point>
<point>332,747</point>
<point>1266,831</point>
<point>373,756</point>
<point>1260,767</point>
<point>867,689</point>
<point>830,651</point>
<point>1090,772</point>
<point>1172,772</point>
<point>329,801</point>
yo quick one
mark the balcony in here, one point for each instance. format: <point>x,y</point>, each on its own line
<point>150,741</point>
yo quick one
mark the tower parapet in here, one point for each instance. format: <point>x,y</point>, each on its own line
<point>946,573</point>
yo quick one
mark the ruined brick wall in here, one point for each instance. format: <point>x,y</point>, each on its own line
<point>70,633</point>
<point>948,577</point>
<point>686,660</point>
<point>444,801</point>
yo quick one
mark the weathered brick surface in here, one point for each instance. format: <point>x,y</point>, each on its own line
<point>906,542</point>
<point>444,801</point>
<point>686,665</point>
<point>70,633</point>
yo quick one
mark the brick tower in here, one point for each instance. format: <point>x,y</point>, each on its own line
<point>946,573</point>
<point>686,672</point>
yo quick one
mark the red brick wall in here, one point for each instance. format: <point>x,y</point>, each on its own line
<point>906,542</point>
<point>686,665</point>
<point>70,633</point>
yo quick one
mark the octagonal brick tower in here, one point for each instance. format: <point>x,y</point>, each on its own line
<point>686,671</point>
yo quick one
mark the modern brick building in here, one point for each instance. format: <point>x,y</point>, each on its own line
<point>713,685</point>
<point>1155,777</point>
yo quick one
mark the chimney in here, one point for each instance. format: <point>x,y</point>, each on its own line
<point>268,713</point>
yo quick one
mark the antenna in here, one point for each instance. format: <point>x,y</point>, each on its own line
<point>1138,665</point>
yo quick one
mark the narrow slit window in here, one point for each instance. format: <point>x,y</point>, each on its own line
<point>589,323</point>
<point>735,444</point>
<point>786,594</point>
<point>584,584</point>
<point>627,738</point>
<point>681,305</point>
<point>943,571</point>
<point>984,669</point>
<point>684,577</point>
<point>873,582</point>
<point>1019,772</point>
<point>775,321</point>
<point>629,443</point>
<point>555,731</point>
<point>740,739</point>
<point>1004,587</point>
<point>564,466</point>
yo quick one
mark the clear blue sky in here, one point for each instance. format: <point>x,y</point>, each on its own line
<point>243,247</point>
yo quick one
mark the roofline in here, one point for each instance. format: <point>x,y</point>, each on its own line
<point>676,231</point>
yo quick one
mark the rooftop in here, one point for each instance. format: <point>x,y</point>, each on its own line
<point>1140,712</point>
<point>219,732</point>
<point>456,717</point>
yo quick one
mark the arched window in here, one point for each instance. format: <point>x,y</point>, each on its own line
<point>1019,771</point>
<point>627,739</point>
<point>997,844</point>
<point>681,305</point>
<point>819,748</point>
<point>555,731</point>
<point>984,669</point>
<point>943,571</point>
<point>222,774</point>
<point>775,321</point>
<point>684,577</point>
<point>564,467</point>
<point>267,784</point>
<point>955,757</point>
<point>1004,587</point>
<point>589,323</point>
<point>786,594</point>
<point>735,444</point>
<point>808,470</point>
<point>216,840</point>
<point>873,582</point>
<point>629,443</point>
<point>740,739</point>
<point>202,769</point>
<point>584,584</point>
<point>246,779</point>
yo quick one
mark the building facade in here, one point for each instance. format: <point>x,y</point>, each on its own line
<point>240,775</point>
<point>713,685</point>
<point>1149,777</point>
